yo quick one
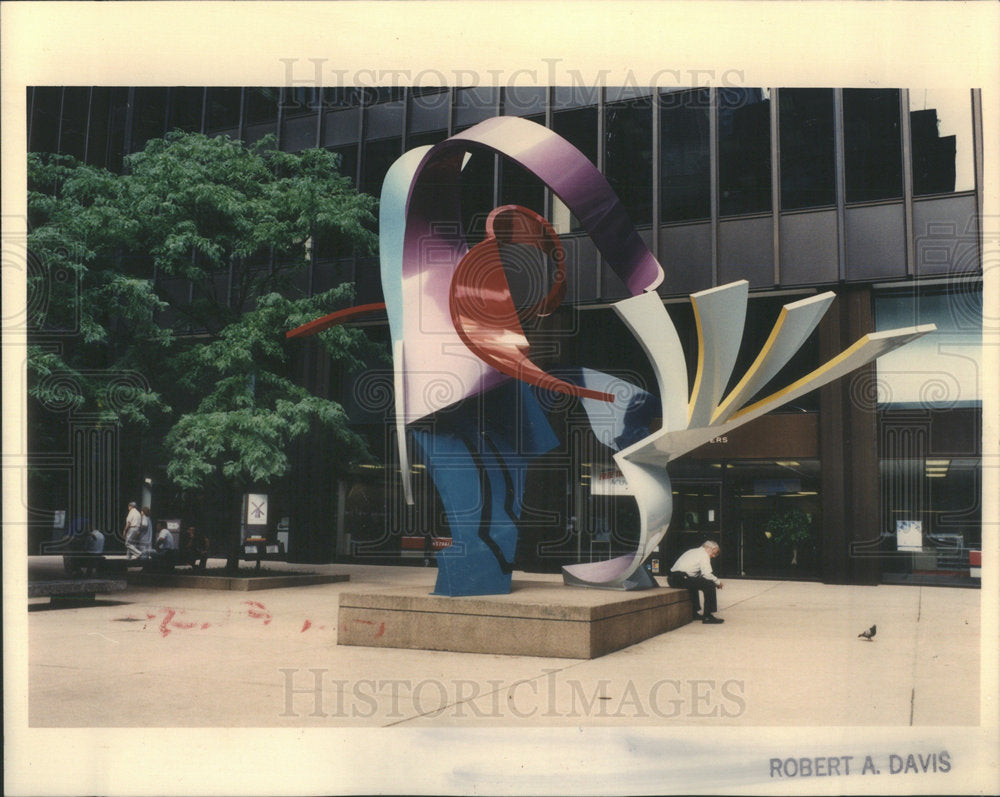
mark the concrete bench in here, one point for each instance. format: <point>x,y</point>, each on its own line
<point>74,590</point>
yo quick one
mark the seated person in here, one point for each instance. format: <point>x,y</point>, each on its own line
<point>93,547</point>
<point>194,549</point>
<point>86,558</point>
<point>693,571</point>
<point>161,558</point>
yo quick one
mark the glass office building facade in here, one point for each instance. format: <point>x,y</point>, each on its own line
<point>872,193</point>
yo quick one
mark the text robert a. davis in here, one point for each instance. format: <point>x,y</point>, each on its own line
<point>904,763</point>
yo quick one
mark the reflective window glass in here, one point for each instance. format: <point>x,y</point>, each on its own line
<point>628,154</point>
<point>262,105</point>
<point>942,369</point>
<point>378,157</point>
<point>185,108</point>
<point>805,132</point>
<point>305,100</point>
<point>97,146</point>
<point>431,138</point>
<point>223,108</point>
<point>518,186</point>
<point>76,106</point>
<point>476,182</point>
<point>150,115</point>
<point>931,508</point>
<point>579,128</point>
<point>45,110</point>
<point>873,159</point>
<point>116,124</point>
<point>744,151</point>
<point>685,176</point>
<point>941,138</point>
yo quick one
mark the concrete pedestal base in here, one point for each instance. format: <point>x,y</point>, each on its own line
<point>537,618</point>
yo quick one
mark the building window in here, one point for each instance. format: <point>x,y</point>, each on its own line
<point>429,91</point>
<point>302,100</point>
<point>76,107</point>
<point>431,138</point>
<point>149,116</point>
<point>116,124</point>
<point>348,161</point>
<point>685,175</point>
<point>97,144</point>
<point>518,186</point>
<point>628,154</point>
<point>378,157</point>
<point>941,370</point>
<point>929,421</point>
<point>805,130</point>
<point>45,110</point>
<point>941,140</point>
<point>872,151</point>
<point>744,151</point>
<point>579,128</point>
<point>185,109</point>
<point>383,94</point>
<point>262,105</point>
<point>476,184</point>
<point>223,108</point>
<point>931,515</point>
<point>763,313</point>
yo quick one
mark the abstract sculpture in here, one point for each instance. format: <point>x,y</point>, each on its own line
<point>462,365</point>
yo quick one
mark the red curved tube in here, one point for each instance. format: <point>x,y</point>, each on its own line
<point>331,320</point>
<point>483,311</point>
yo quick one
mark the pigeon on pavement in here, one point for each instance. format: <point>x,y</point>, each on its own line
<point>867,635</point>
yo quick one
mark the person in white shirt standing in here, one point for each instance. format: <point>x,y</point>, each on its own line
<point>132,522</point>
<point>693,571</point>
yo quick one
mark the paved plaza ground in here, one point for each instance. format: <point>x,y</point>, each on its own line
<point>788,656</point>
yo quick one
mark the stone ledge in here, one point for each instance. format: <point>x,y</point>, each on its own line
<point>536,619</point>
<point>74,586</point>
<point>83,589</point>
<point>229,583</point>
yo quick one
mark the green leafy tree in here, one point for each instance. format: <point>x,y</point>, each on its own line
<point>181,274</point>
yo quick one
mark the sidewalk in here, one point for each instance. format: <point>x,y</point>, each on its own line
<point>788,654</point>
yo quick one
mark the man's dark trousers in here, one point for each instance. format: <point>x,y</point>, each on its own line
<point>693,585</point>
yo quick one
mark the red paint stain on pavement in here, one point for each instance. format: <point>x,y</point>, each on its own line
<point>306,625</point>
<point>258,611</point>
<point>381,630</point>
<point>165,625</point>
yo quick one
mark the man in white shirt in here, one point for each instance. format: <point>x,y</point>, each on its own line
<point>693,571</point>
<point>132,522</point>
<point>165,540</point>
<point>161,558</point>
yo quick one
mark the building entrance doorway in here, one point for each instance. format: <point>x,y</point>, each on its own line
<point>776,517</point>
<point>764,514</point>
<point>697,517</point>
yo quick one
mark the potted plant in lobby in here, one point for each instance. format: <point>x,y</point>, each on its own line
<point>789,529</point>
